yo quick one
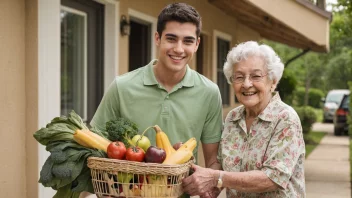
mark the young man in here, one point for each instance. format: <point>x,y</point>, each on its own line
<point>166,92</point>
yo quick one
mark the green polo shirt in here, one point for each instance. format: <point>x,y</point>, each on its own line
<point>192,109</point>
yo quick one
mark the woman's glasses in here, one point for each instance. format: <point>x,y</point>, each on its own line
<point>240,78</point>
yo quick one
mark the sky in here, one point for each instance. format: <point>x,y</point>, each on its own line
<point>328,7</point>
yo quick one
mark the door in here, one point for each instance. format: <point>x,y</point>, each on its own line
<point>200,55</point>
<point>82,57</point>
<point>139,44</point>
<point>223,47</point>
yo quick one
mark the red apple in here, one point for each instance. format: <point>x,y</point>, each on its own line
<point>155,155</point>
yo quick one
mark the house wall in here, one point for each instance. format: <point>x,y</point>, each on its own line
<point>13,99</point>
<point>31,86</point>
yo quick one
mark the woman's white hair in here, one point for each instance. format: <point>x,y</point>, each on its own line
<point>251,48</point>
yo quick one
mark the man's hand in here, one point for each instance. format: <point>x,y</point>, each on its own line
<point>203,180</point>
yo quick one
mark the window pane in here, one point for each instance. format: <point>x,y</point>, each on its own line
<point>73,62</point>
<point>223,47</point>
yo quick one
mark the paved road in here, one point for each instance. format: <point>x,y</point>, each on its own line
<point>327,168</point>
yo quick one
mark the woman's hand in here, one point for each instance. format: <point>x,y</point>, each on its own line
<point>214,193</point>
<point>203,180</point>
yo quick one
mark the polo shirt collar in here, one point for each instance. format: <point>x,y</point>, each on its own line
<point>149,77</point>
<point>187,80</point>
<point>266,115</point>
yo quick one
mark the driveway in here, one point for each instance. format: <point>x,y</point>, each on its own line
<point>327,168</point>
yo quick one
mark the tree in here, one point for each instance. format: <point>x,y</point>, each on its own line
<point>340,59</point>
<point>313,70</point>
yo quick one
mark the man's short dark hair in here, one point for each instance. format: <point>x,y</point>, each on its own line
<point>179,12</point>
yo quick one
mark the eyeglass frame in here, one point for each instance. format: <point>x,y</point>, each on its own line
<point>250,76</point>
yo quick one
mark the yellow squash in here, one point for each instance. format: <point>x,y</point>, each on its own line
<point>84,138</point>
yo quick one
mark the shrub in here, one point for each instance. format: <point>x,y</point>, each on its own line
<point>349,118</point>
<point>314,97</point>
<point>307,116</point>
<point>299,96</point>
<point>286,86</point>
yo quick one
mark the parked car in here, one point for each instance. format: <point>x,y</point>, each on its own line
<point>331,102</point>
<point>340,117</point>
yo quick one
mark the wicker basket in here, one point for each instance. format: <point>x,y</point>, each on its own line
<point>121,178</point>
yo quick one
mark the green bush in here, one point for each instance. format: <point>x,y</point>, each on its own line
<point>349,118</point>
<point>307,116</point>
<point>314,97</point>
<point>299,96</point>
<point>286,86</point>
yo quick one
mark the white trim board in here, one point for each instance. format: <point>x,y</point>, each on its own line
<point>48,74</point>
<point>111,40</point>
<point>218,34</point>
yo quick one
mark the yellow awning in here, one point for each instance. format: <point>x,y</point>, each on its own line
<point>297,23</point>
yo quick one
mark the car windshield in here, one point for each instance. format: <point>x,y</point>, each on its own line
<point>334,97</point>
<point>346,102</point>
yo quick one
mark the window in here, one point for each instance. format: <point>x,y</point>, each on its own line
<point>82,57</point>
<point>223,48</point>
<point>73,62</point>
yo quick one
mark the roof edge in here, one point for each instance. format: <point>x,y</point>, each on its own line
<point>316,9</point>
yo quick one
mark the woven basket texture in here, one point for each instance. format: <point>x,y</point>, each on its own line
<point>122,178</point>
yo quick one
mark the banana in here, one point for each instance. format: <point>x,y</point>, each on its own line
<point>162,139</point>
<point>182,155</point>
<point>179,157</point>
<point>189,145</point>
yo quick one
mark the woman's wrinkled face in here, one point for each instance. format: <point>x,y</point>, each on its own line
<point>256,93</point>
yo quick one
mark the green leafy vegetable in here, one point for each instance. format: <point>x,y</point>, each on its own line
<point>65,170</point>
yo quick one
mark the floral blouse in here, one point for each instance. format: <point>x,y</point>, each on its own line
<point>274,145</point>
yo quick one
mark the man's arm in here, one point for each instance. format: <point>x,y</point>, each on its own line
<point>210,152</point>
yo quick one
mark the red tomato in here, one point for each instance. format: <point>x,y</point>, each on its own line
<point>116,150</point>
<point>135,154</point>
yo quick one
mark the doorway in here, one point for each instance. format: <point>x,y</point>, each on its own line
<point>200,55</point>
<point>139,44</point>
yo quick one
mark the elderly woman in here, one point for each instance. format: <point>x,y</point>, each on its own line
<point>262,149</point>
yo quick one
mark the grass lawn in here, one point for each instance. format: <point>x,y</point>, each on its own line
<point>312,140</point>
